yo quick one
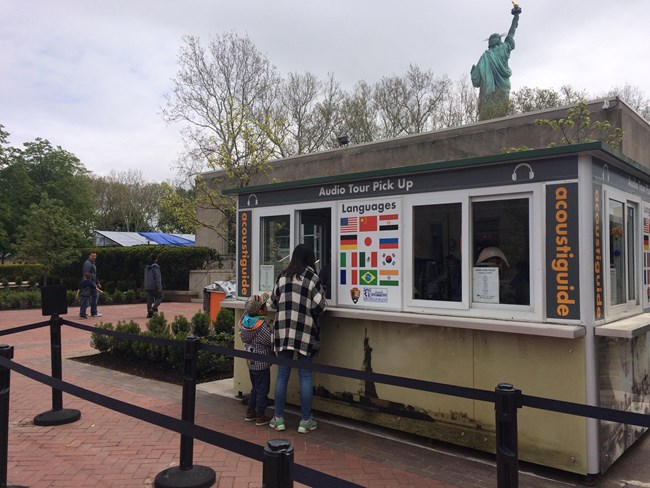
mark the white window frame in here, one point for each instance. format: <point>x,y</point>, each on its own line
<point>536,225</point>
<point>292,212</point>
<point>629,306</point>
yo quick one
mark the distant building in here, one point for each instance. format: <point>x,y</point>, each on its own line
<point>107,238</point>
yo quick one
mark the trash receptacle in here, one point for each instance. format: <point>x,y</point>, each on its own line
<point>216,297</point>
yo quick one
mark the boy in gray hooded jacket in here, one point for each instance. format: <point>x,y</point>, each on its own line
<point>255,333</point>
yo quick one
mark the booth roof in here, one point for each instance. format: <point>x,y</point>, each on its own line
<point>127,239</point>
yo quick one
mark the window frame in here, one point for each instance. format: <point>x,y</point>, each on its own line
<point>634,305</point>
<point>536,225</point>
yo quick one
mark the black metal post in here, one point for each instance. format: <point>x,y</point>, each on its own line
<point>58,415</point>
<point>276,467</point>
<point>6,352</point>
<point>57,369</point>
<point>507,401</point>
<point>189,398</point>
<point>187,475</point>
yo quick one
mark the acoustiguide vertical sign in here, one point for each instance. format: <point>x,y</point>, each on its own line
<point>245,264</point>
<point>562,265</point>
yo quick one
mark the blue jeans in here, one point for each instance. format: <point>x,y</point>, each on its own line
<point>261,383</point>
<point>306,388</point>
<point>85,301</point>
<point>94,297</point>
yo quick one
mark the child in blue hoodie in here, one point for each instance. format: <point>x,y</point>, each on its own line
<point>255,332</point>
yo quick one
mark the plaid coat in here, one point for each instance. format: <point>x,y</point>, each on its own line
<point>255,333</point>
<point>299,303</point>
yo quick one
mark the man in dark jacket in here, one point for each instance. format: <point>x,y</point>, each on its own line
<point>90,267</point>
<point>153,285</point>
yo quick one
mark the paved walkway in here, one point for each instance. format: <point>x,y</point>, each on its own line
<point>107,449</point>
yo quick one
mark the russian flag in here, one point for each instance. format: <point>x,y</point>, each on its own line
<point>389,243</point>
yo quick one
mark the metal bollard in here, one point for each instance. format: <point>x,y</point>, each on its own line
<point>187,474</point>
<point>507,400</point>
<point>189,398</point>
<point>58,415</point>
<point>278,459</point>
<point>6,352</point>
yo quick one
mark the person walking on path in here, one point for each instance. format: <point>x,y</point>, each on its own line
<point>87,289</point>
<point>89,267</point>
<point>153,285</point>
<point>299,299</point>
<point>255,333</point>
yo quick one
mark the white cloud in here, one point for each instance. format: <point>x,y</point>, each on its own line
<point>91,76</point>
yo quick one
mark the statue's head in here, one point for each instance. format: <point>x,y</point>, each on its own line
<point>494,40</point>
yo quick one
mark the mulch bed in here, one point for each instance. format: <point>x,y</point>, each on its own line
<point>159,371</point>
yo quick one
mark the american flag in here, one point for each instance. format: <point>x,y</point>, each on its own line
<point>646,225</point>
<point>349,224</point>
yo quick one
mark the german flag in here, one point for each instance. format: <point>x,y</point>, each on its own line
<point>348,243</point>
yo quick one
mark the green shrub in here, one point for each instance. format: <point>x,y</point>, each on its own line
<point>141,349</point>
<point>101,342</point>
<point>118,297</point>
<point>9,272</point>
<point>123,346</point>
<point>19,299</point>
<point>176,355</point>
<point>181,325</point>
<point>225,321</point>
<point>201,324</point>
<point>104,299</point>
<point>158,324</point>
<point>130,296</point>
<point>210,364</point>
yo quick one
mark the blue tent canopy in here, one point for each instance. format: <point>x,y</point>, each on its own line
<point>166,239</point>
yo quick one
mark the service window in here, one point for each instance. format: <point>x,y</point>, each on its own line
<point>437,264</point>
<point>500,247</point>
<point>623,242</point>
<point>275,248</point>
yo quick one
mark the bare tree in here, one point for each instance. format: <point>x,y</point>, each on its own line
<point>460,104</point>
<point>634,97</point>
<point>410,104</point>
<point>124,201</point>
<point>390,96</point>
<point>224,94</point>
<point>359,115</point>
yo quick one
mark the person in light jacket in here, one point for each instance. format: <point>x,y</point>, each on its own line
<point>153,285</point>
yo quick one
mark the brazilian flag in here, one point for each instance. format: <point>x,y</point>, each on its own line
<point>368,277</point>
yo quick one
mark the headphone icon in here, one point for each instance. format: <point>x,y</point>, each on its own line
<point>531,174</point>
<point>252,195</point>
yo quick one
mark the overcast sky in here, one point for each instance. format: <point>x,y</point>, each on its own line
<point>90,76</point>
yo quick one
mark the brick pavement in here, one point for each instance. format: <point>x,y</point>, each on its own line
<point>107,449</point>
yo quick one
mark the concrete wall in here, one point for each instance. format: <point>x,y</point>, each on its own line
<point>474,140</point>
<point>462,357</point>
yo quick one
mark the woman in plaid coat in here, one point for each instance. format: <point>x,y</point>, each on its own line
<point>299,299</point>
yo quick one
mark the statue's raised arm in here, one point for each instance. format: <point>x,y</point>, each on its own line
<point>492,74</point>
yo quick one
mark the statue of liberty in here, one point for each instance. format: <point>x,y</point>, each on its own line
<point>492,74</point>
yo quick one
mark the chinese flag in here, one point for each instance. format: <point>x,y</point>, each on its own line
<point>368,224</point>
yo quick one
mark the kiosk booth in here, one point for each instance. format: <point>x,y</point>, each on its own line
<point>531,268</point>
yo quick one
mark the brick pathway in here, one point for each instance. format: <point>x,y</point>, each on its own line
<point>107,449</point>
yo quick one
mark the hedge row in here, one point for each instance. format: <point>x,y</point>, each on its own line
<point>122,268</point>
<point>31,298</point>
<point>221,333</point>
<point>20,272</point>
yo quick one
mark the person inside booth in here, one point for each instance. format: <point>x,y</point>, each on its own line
<point>513,283</point>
